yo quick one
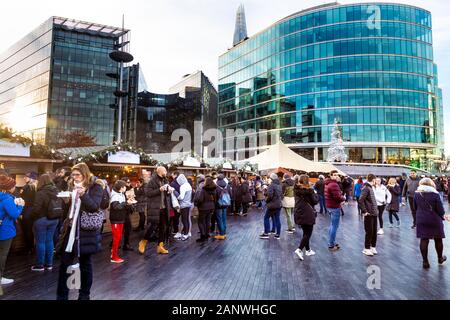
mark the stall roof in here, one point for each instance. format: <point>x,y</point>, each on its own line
<point>81,151</point>
<point>281,156</point>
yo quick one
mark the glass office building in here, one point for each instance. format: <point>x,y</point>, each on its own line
<point>154,117</point>
<point>369,66</point>
<point>54,81</point>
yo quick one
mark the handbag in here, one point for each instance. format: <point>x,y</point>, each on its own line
<point>91,221</point>
<point>175,203</point>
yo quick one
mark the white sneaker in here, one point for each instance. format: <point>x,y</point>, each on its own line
<point>299,253</point>
<point>310,253</point>
<point>380,232</point>
<point>374,250</point>
<point>189,235</point>
<point>177,236</point>
<point>368,252</point>
<point>184,237</point>
<point>6,281</point>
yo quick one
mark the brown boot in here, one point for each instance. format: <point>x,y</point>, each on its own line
<point>142,245</point>
<point>160,249</point>
<point>219,237</point>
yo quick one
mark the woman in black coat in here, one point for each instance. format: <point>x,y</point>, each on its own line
<point>304,213</point>
<point>89,190</point>
<point>206,204</point>
<point>394,206</point>
<point>244,196</point>
<point>429,216</point>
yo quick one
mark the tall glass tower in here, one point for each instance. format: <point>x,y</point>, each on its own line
<point>54,80</point>
<point>369,66</point>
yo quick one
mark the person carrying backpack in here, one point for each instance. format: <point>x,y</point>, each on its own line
<point>46,212</point>
<point>223,202</point>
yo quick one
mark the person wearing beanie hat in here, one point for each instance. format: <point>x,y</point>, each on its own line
<point>28,194</point>
<point>319,186</point>
<point>10,210</point>
<point>273,176</point>
<point>288,201</point>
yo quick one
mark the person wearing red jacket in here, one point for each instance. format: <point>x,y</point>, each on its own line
<point>333,201</point>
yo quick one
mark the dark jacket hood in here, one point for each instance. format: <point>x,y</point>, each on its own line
<point>289,181</point>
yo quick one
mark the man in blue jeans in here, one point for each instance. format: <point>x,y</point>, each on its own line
<point>333,201</point>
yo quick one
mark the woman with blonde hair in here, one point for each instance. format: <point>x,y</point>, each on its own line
<point>81,237</point>
<point>429,217</point>
<point>304,213</point>
<point>394,206</point>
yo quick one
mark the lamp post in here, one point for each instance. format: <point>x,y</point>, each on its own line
<point>120,56</point>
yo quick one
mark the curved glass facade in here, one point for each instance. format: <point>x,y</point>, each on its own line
<point>370,66</point>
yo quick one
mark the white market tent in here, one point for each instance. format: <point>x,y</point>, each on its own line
<point>281,156</point>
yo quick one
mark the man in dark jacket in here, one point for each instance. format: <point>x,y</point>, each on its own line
<point>141,206</point>
<point>28,194</point>
<point>409,189</point>
<point>320,189</point>
<point>221,210</point>
<point>333,202</point>
<point>273,205</point>
<point>158,196</point>
<point>369,209</point>
<point>62,178</point>
<point>244,197</point>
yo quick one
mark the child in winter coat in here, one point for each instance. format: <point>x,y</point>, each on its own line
<point>118,213</point>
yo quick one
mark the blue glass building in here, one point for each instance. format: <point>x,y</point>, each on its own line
<point>370,66</point>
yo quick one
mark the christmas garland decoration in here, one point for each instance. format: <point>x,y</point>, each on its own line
<point>116,147</point>
<point>37,150</point>
<point>218,166</point>
<point>179,161</point>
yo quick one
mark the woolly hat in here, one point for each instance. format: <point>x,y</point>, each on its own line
<point>273,176</point>
<point>286,176</point>
<point>7,183</point>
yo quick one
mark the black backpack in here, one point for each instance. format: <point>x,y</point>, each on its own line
<point>55,208</point>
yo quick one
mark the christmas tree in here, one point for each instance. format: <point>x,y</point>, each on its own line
<point>336,152</point>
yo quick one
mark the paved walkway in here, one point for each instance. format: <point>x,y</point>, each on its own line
<point>245,267</point>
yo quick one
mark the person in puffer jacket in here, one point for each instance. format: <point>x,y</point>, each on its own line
<point>10,210</point>
<point>205,201</point>
<point>185,200</point>
<point>273,200</point>
<point>119,208</point>
<point>288,201</point>
<point>369,208</point>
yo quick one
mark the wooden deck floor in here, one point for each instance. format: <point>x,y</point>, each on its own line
<point>245,267</point>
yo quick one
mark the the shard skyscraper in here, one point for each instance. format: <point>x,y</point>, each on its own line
<point>240,31</point>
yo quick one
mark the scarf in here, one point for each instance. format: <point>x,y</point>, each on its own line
<point>74,213</point>
<point>423,188</point>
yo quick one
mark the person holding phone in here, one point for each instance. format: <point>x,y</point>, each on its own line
<point>10,210</point>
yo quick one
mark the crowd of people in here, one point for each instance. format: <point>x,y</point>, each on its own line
<point>64,213</point>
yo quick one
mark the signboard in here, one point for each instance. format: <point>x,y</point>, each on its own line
<point>13,149</point>
<point>191,162</point>
<point>124,157</point>
<point>227,165</point>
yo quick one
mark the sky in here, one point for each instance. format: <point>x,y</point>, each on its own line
<point>170,38</point>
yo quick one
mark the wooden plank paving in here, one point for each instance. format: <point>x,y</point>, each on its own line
<point>245,267</point>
